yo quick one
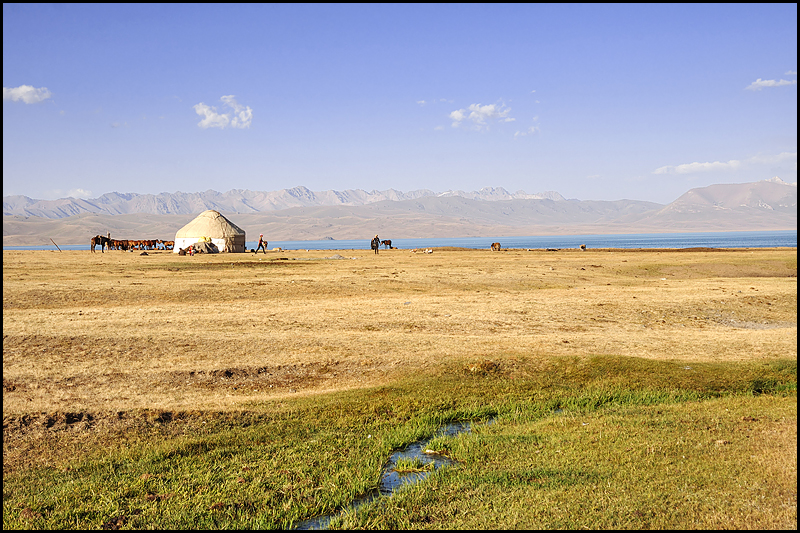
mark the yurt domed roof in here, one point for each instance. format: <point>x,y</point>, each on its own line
<point>209,224</point>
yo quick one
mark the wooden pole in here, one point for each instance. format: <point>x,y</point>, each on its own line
<point>54,242</point>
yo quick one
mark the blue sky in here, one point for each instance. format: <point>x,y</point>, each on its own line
<point>597,102</point>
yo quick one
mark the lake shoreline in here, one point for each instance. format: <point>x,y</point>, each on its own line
<point>722,239</point>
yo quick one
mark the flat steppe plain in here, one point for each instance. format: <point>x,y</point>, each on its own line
<point>334,339</point>
<point>86,331</point>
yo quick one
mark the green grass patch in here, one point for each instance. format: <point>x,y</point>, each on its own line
<point>439,445</point>
<point>406,465</point>
<point>728,462</point>
<point>599,442</point>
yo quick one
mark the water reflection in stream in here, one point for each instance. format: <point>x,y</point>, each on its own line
<point>391,480</point>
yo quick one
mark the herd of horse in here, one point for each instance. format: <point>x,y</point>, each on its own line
<point>157,244</point>
<point>130,244</point>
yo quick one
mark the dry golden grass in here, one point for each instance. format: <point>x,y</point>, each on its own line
<point>119,331</point>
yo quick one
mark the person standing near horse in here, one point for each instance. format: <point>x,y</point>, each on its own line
<point>102,241</point>
<point>262,244</point>
<point>375,244</point>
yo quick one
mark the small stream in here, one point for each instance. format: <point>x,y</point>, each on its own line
<point>392,480</point>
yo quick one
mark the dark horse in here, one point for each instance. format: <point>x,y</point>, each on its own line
<point>375,244</point>
<point>387,243</point>
<point>102,241</point>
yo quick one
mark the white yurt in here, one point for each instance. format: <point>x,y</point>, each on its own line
<point>214,227</point>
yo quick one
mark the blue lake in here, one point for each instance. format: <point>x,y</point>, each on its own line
<point>724,239</point>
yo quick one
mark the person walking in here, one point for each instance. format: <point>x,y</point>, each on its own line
<point>262,244</point>
<point>375,244</point>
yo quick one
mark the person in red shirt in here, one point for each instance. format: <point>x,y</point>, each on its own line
<point>262,244</point>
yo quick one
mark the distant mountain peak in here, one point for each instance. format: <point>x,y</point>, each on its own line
<point>771,194</point>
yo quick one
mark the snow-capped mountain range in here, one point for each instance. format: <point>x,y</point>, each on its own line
<point>238,201</point>
<point>302,214</point>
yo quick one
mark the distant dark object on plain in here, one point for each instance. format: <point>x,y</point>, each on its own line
<point>583,246</point>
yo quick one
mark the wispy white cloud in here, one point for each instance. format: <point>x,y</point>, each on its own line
<point>79,193</point>
<point>775,159</point>
<point>240,116</point>
<point>433,101</point>
<point>26,93</point>
<point>212,118</point>
<point>790,73</point>
<point>692,168</point>
<point>733,164</point>
<point>478,117</point>
<point>457,116</point>
<point>55,194</point>
<point>243,115</point>
<point>530,131</point>
<point>760,84</point>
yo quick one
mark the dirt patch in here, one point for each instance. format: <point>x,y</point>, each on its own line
<point>11,386</point>
<point>58,437</point>
<point>290,378</point>
<point>731,321</point>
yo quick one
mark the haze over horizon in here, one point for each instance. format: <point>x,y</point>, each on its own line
<point>595,102</point>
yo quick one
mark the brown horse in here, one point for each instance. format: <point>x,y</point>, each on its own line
<point>495,246</point>
<point>102,241</point>
<point>387,243</point>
